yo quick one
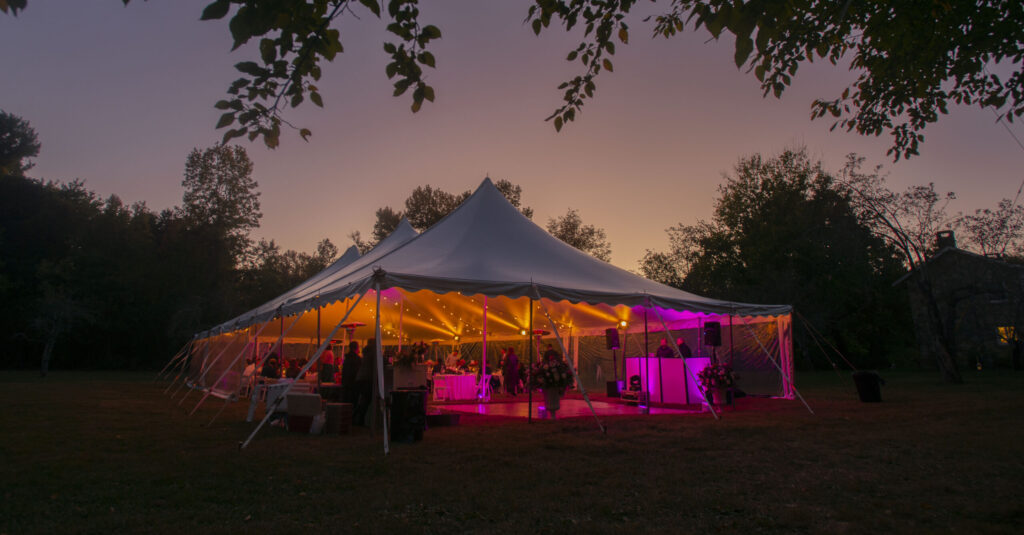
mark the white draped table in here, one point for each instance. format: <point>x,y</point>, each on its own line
<point>459,387</point>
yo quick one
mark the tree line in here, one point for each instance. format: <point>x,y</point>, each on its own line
<point>95,283</point>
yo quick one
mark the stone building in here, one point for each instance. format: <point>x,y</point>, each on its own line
<point>981,297</point>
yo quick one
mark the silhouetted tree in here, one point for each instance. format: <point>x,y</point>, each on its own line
<point>18,143</point>
<point>587,238</point>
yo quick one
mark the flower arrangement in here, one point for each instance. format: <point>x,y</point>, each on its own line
<point>551,374</point>
<point>405,360</point>
<point>717,376</point>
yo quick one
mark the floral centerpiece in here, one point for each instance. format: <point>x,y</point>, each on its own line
<point>553,377</point>
<point>551,374</point>
<point>405,360</point>
<point>717,376</point>
<point>715,379</point>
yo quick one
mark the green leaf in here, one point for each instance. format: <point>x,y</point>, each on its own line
<point>607,65</point>
<point>744,46</point>
<point>216,10</point>
<point>305,133</point>
<point>222,105</point>
<point>267,50</point>
<point>250,68</point>
<point>428,93</point>
<point>558,124</point>
<point>315,97</point>
<point>372,5</point>
<point>390,48</point>
<point>427,59</point>
<point>416,105</point>
<point>572,56</point>
<point>431,32</point>
<point>231,134</point>
<point>624,36</point>
<point>226,119</point>
<point>536,26</point>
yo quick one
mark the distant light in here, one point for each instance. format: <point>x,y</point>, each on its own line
<point>522,332</point>
<point>622,323</point>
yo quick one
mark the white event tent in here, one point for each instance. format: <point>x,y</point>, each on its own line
<point>482,273</point>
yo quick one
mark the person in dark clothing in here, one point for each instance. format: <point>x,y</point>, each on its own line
<point>364,382</point>
<point>510,372</point>
<point>552,354</point>
<point>665,351</point>
<point>684,350</point>
<point>271,369</point>
<point>349,370</point>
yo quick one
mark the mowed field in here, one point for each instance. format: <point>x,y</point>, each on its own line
<point>110,453</point>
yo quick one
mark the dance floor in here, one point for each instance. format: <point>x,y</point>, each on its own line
<point>570,408</point>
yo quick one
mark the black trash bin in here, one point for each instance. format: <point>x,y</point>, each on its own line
<point>408,415</point>
<point>869,386</point>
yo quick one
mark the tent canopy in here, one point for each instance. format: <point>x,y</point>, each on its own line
<point>434,285</point>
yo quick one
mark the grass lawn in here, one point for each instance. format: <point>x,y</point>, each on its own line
<point>109,453</point>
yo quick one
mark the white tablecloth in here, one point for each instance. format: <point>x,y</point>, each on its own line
<point>459,386</point>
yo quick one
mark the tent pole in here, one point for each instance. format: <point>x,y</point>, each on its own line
<point>380,372</point>
<point>270,409</point>
<point>483,358</point>
<point>647,363</point>
<point>529,380</point>
<point>732,344</point>
<point>685,367</point>
<point>771,358</point>
<point>401,313</point>
<point>572,368</point>
<point>209,390</point>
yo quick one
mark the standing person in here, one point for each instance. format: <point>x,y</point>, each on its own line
<point>510,372</point>
<point>327,368</point>
<point>349,370</point>
<point>364,381</point>
<point>551,354</point>
<point>684,350</point>
<point>664,350</point>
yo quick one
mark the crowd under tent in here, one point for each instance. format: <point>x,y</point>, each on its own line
<point>485,277</point>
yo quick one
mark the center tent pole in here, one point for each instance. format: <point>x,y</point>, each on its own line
<point>685,367</point>
<point>401,312</point>
<point>647,362</point>
<point>572,368</point>
<point>316,356</point>
<point>529,373</point>
<point>380,372</point>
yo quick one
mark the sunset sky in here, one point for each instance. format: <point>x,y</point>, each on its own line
<point>120,95</point>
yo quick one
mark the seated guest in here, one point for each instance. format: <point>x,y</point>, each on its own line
<point>271,368</point>
<point>293,369</point>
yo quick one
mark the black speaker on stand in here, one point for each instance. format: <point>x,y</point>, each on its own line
<point>611,341</point>
<point>713,338</point>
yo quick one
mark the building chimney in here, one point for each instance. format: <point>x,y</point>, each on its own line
<point>945,238</point>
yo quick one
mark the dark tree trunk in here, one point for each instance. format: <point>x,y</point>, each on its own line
<point>47,352</point>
